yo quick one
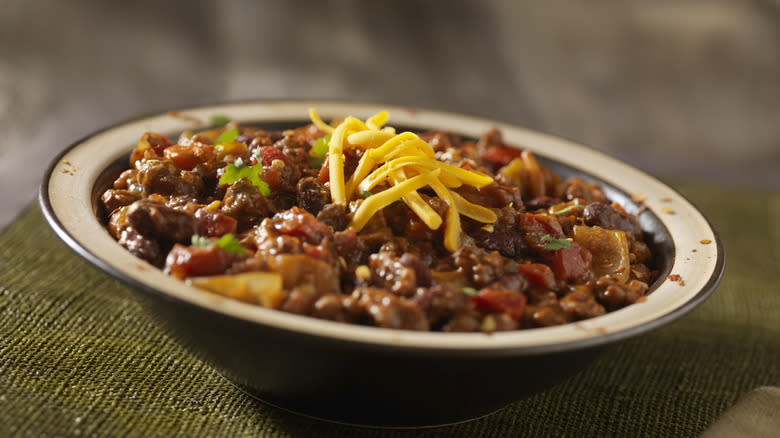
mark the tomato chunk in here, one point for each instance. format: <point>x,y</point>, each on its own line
<point>536,226</point>
<point>269,153</point>
<point>572,263</point>
<point>538,273</point>
<point>500,156</point>
<point>212,223</point>
<point>501,301</point>
<point>186,261</point>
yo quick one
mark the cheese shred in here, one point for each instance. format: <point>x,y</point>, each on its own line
<point>398,165</point>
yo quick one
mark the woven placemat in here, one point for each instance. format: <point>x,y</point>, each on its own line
<point>78,356</point>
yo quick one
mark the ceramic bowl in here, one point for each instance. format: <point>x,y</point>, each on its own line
<point>369,375</point>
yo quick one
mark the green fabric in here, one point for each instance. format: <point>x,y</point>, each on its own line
<point>78,356</point>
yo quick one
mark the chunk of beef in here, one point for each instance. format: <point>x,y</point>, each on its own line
<point>478,266</point>
<point>440,303</point>
<point>142,247</point>
<point>577,188</point>
<point>606,216</point>
<point>503,236</point>
<point>614,295</point>
<point>401,275</point>
<point>115,198</point>
<point>159,222</point>
<point>312,196</point>
<point>165,178</point>
<point>244,203</point>
<point>334,215</point>
<point>372,307</point>
<point>580,303</point>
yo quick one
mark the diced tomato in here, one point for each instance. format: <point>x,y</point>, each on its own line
<point>188,156</point>
<point>500,156</point>
<point>269,153</point>
<point>212,223</point>
<point>572,264</point>
<point>538,273</point>
<point>501,301</point>
<point>300,223</point>
<point>186,261</point>
<point>182,156</point>
<point>534,227</point>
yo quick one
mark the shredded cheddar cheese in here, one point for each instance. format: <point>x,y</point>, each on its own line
<point>404,163</point>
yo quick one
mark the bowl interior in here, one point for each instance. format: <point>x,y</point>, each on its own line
<point>677,230</point>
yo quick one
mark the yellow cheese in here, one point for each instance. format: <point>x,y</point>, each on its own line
<point>417,204</point>
<point>376,202</point>
<point>322,126</point>
<point>404,163</point>
<point>452,229</point>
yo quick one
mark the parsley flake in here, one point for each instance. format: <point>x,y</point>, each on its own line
<point>568,209</point>
<point>470,291</point>
<point>318,152</point>
<point>228,242</point>
<point>554,244</point>
<point>227,136</point>
<point>237,170</point>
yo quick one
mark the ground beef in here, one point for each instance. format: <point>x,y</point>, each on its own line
<point>244,202</point>
<point>524,270</point>
<point>371,306</point>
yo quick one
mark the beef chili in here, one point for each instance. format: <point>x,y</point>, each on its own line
<point>354,223</point>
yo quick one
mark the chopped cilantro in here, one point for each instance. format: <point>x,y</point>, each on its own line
<point>227,136</point>
<point>228,242</point>
<point>569,208</point>
<point>237,170</point>
<point>219,120</point>
<point>553,244</point>
<point>318,152</point>
<point>470,291</point>
<point>366,193</point>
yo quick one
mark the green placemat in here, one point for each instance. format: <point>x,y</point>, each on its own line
<point>78,356</point>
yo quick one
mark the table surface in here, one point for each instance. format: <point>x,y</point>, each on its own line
<point>79,356</point>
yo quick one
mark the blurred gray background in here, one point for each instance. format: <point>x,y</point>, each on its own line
<point>686,90</point>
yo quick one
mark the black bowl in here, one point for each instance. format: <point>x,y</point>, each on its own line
<point>368,375</point>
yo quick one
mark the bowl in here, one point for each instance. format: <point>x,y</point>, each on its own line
<point>367,375</point>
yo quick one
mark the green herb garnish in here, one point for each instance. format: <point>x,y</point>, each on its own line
<point>366,193</point>
<point>553,244</point>
<point>318,152</point>
<point>227,136</point>
<point>228,242</point>
<point>219,120</point>
<point>470,291</point>
<point>237,170</point>
<point>569,208</point>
